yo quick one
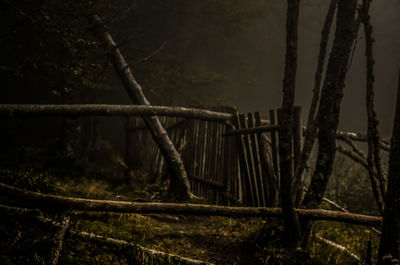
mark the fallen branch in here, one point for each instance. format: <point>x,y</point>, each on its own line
<point>12,110</point>
<point>354,147</point>
<point>361,137</point>
<point>337,247</point>
<point>342,209</point>
<point>142,254</point>
<point>59,238</point>
<point>68,203</point>
<point>78,110</point>
<point>354,156</point>
<point>334,204</point>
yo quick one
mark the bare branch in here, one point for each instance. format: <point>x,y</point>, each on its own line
<point>364,163</point>
<point>354,147</point>
<point>148,57</point>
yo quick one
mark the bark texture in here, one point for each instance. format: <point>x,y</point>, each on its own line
<point>331,97</point>
<point>374,159</point>
<point>329,106</point>
<point>285,119</point>
<point>179,183</point>
<point>77,110</point>
<point>59,203</point>
<point>59,238</point>
<point>390,239</point>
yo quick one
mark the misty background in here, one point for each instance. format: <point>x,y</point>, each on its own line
<point>187,53</point>
<point>252,61</point>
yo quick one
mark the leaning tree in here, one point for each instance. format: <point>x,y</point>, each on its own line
<point>179,183</point>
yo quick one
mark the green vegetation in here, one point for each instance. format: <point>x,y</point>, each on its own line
<point>215,239</point>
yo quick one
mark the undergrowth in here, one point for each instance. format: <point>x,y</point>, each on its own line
<point>219,240</point>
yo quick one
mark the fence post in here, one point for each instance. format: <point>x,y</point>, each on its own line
<point>274,144</point>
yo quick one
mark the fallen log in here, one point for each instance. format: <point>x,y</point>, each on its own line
<point>77,110</point>
<point>60,203</point>
<point>142,254</point>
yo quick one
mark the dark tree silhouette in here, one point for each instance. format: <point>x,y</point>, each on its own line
<point>312,125</point>
<point>292,227</point>
<point>331,98</point>
<point>390,240</point>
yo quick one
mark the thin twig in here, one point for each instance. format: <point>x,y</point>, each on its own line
<point>354,147</point>
<point>148,57</point>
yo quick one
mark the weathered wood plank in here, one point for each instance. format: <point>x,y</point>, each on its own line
<point>250,162</point>
<point>259,129</point>
<point>274,143</point>
<point>258,181</point>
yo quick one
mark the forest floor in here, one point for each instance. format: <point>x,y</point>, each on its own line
<point>218,240</point>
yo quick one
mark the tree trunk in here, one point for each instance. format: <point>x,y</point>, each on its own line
<point>373,159</point>
<point>312,125</point>
<point>179,183</point>
<point>285,116</point>
<point>329,107</point>
<point>390,239</point>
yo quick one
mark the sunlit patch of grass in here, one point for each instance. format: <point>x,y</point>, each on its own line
<point>353,237</point>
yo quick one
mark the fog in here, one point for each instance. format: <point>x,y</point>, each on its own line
<point>252,61</point>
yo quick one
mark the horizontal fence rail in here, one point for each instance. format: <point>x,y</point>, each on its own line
<point>242,169</point>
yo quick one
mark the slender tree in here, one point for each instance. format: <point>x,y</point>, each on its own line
<point>329,107</point>
<point>312,125</point>
<point>390,240</point>
<point>374,159</point>
<point>291,221</point>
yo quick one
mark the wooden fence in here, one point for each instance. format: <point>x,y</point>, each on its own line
<point>226,164</point>
<point>210,159</point>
